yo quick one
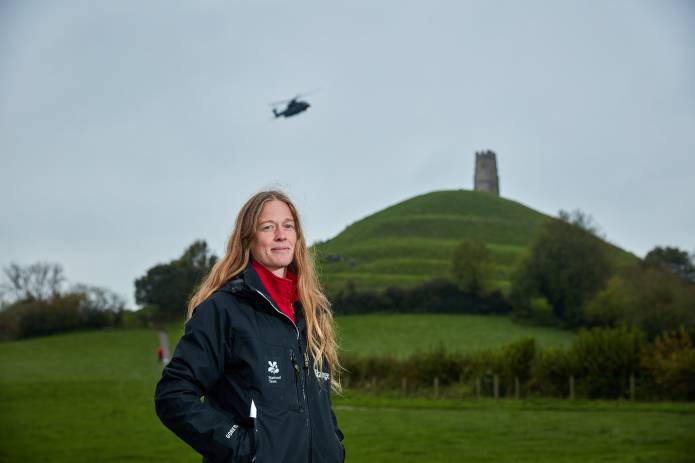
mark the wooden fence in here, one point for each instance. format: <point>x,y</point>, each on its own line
<point>492,386</point>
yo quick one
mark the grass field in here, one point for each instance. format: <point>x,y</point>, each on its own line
<point>88,397</point>
<point>402,334</point>
<point>390,430</point>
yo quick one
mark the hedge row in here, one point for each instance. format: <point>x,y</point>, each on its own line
<point>600,363</point>
<point>59,314</point>
<point>437,296</point>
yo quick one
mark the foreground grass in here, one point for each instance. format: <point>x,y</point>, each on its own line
<point>402,430</point>
<point>88,397</point>
<point>83,397</point>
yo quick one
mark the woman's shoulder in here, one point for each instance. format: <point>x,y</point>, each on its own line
<point>219,310</point>
<point>228,298</point>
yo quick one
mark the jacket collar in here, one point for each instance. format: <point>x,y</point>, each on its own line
<point>249,281</point>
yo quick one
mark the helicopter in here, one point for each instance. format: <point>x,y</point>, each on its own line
<point>294,107</point>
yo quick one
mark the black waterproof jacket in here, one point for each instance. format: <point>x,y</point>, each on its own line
<point>238,348</point>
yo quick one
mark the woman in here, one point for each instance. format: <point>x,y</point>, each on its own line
<point>250,379</point>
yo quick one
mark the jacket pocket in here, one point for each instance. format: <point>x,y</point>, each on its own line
<point>253,435</point>
<point>296,402</point>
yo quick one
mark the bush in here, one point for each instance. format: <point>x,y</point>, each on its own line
<point>601,361</point>
<point>649,298</point>
<point>515,360</point>
<point>671,364</point>
<point>362,370</point>
<point>60,313</point>
<point>551,370</point>
<point>606,357</point>
<point>422,367</point>
<point>537,311</point>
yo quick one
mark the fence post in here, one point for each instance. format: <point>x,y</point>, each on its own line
<point>404,385</point>
<point>516,387</point>
<point>572,387</point>
<point>497,387</point>
<point>477,387</point>
<point>632,387</point>
<point>373,383</point>
<point>436,387</point>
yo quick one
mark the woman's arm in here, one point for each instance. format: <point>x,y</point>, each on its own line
<point>196,366</point>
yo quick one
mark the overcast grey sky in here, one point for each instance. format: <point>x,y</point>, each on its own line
<point>129,129</point>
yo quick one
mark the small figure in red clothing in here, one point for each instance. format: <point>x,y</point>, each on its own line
<point>160,354</point>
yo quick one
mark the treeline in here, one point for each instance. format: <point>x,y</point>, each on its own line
<point>40,305</point>
<point>569,277</point>
<point>34,301</point>
<point>441,296</point>
<point>601,363</point>
<point>573,276</point>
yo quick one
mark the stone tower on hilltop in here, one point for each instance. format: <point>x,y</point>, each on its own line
<point>486,178</point>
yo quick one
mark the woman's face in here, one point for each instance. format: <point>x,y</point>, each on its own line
<point>273,242</point>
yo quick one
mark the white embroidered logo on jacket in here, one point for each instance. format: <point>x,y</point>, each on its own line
<point>321,374</point>
<point>273,369</point>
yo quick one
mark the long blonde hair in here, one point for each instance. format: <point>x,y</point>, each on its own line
<point>321,337</point>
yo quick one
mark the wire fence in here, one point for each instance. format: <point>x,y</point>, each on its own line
<point>495,386</point>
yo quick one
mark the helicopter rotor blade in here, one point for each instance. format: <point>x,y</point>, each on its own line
<point>297,97</point>
<point>277,103</point>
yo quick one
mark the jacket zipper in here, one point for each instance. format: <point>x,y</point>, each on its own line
<point>308,413</point>
<point>306,362</point>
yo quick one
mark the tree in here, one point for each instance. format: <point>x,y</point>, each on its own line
<point>582,220</point>
<point>672,259</point>
<point>473,267</point>
<point>649,298</point>
<point>99,306</point>
<point>566,265</point>
<point>39,281</point>
<point>169,286</point>
<point>98,298</point>
<point>38,305</point>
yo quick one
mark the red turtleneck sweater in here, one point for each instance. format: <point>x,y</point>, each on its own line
<point>283,291</point>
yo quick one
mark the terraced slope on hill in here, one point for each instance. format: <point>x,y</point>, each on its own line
<point>412,241</point>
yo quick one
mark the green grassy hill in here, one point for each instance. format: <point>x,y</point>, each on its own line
<point>412,241</point>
